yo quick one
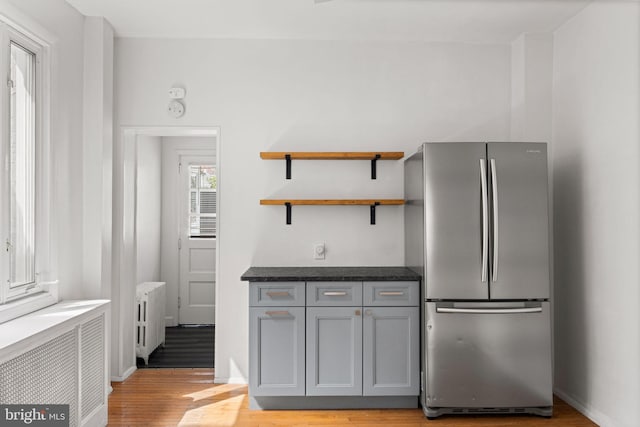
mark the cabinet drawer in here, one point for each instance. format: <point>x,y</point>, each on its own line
<point>391,293</point>
<point>334,293</point>
<point>277,293</point>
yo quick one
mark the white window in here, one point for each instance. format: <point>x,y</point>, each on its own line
<point>24,217</point>
<point>203,184</point>
<point>19,241</point>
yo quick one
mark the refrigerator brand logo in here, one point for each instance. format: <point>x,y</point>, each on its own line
<point>534,151</point>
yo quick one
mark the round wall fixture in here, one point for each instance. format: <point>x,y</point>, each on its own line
<point>175,109</point>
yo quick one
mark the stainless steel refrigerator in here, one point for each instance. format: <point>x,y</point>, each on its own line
<point>476,229</point>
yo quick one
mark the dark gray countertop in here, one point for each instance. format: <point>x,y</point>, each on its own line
<point>310,274</point>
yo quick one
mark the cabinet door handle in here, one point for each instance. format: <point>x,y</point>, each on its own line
<point>334,293</point>
<point>278,294</point>
<point>278,313</point>
<point>391,293</point>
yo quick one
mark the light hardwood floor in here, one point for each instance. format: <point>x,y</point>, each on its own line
<point>188,397</point>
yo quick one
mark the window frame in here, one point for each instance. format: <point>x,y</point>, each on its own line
<point>43,291</point>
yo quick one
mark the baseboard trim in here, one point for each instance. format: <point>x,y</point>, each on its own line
<point>229,380</point>
<point>98,418</point>
<point>331,402</point>
<point>124,376</point>
<point>588,411</point>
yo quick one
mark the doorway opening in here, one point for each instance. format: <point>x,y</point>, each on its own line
<point>170,236</point>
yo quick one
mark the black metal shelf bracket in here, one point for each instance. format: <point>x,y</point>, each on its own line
<point>372,210</point>
<point>373,167</point>
<point>288,206</point>
<point>287,158</point>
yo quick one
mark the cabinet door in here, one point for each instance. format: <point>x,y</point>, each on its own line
<point>391,351</point>
<point>276,356</point>
<point>334,351</point>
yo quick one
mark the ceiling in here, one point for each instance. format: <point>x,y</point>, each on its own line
<point>475,21</point>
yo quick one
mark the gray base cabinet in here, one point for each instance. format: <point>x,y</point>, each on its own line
<point>277,339</point>
<point>391,349</point>
<point>326,340</point>
<point>277,359</point>
<point>334,351</point>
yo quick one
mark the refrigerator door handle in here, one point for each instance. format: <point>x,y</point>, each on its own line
<point>489,310</point>
<point>485,219</point>
<point>494,196</point>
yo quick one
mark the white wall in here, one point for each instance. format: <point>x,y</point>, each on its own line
<point>148,208</point>
<point>172,149</point>
<point>596,184</point>
<point>305,95</point>
<point>97,158</point>
<point>531,87</point>
<point>63,26</point>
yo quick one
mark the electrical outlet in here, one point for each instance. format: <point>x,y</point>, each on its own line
<point>175,109</point>
<point>318,251</point>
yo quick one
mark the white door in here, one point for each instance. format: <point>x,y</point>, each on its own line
<point>198,230</point>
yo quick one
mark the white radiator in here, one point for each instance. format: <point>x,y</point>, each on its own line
<point>150,308</point>
<point>58,355</point>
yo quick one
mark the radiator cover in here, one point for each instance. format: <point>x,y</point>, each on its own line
<point>68,368</point>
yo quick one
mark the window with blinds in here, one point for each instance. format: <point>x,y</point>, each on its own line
<point>203,201</point>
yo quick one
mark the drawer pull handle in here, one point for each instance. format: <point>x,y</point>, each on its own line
<point>391,293</point>
<point>489,310</point>
<point>334,293</point>
<point>278,294</point>
<point>278,313</point>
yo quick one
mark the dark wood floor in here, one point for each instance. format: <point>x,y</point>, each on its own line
<point>185,347</point>
<point>188,397</point>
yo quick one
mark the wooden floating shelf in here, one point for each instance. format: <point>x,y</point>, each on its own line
<point>367,202</point>
<point>329,155</point>
<point>372,203</point>
<point>373,156</point>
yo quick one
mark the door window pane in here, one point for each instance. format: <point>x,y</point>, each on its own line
<point>202,201</point>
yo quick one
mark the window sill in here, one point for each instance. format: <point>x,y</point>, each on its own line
<point>14,309</point>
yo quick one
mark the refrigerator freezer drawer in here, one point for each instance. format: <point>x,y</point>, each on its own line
<point>491,356</point>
